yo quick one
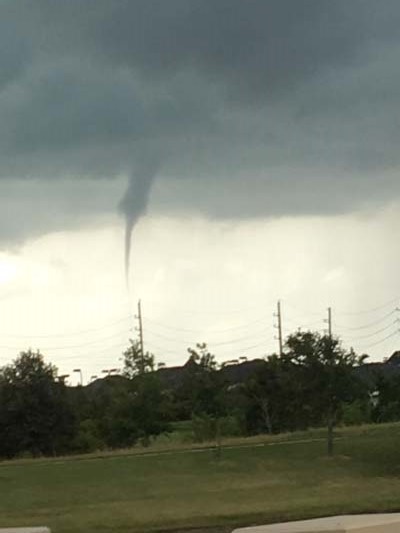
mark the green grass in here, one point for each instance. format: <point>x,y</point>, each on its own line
<point>185,489</point>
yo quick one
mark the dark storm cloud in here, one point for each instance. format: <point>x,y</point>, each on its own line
<point>264,106</point>
<point>256,45</point>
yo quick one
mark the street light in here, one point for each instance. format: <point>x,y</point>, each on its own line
<point>80,373</point>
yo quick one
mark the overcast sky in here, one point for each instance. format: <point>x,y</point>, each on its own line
<point>251,147</point>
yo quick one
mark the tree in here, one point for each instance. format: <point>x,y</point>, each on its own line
<point>202,357</point>
<point>204,392</point>
<point>266,398</point>
<point>35,414</point>
<point>202,382</point>
<point>139,411</point>
<point>325,370</point>
<point>136,363</point>
<point>387,398</point>
<point>275,399</point>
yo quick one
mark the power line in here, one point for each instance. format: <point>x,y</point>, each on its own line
<point>258,337</point>
<point>85,354</point>
<point>71,334</point>
<point>304,326</point>
<point>156,348</point>
<point>368,325</point>
<point>369,335</point>
<point>201,330</point>
<point>71,346</point>
<point>382,340</point>
<point>298,309</point>
<point>371,310</point>
<point>191,342</point>
<point>241,310</point>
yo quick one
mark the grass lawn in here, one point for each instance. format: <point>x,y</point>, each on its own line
<point>193,489</point>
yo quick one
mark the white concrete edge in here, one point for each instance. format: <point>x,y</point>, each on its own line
<point>366,523</point>
<point>24,530</point>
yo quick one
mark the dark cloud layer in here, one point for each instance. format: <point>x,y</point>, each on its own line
<point>287,106</point>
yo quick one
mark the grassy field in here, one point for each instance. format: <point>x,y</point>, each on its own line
<point>255,481</point>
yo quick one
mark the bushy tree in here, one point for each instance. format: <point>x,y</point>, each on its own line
<point>35,415</point>
<point>201,390</point>
<point>325,371</point>
<point>138,412</point>
<point>202,357</point>
<point>271,396</point>
<point>203,394</point>
<point>135,362</point>
<point>387,399</point>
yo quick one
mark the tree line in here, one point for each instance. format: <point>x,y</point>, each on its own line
<point>315,382</point>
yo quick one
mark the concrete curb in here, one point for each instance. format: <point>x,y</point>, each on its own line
<point>362,523</point>
<point>25,530</point>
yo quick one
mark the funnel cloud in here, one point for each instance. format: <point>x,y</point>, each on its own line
<point>278,108</point>
<point>134,203</point>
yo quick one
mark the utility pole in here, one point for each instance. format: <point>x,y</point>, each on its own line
<point>331,411</point>
<point>139,317</point>
<point>330,322</point>
<point>278,315</point>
